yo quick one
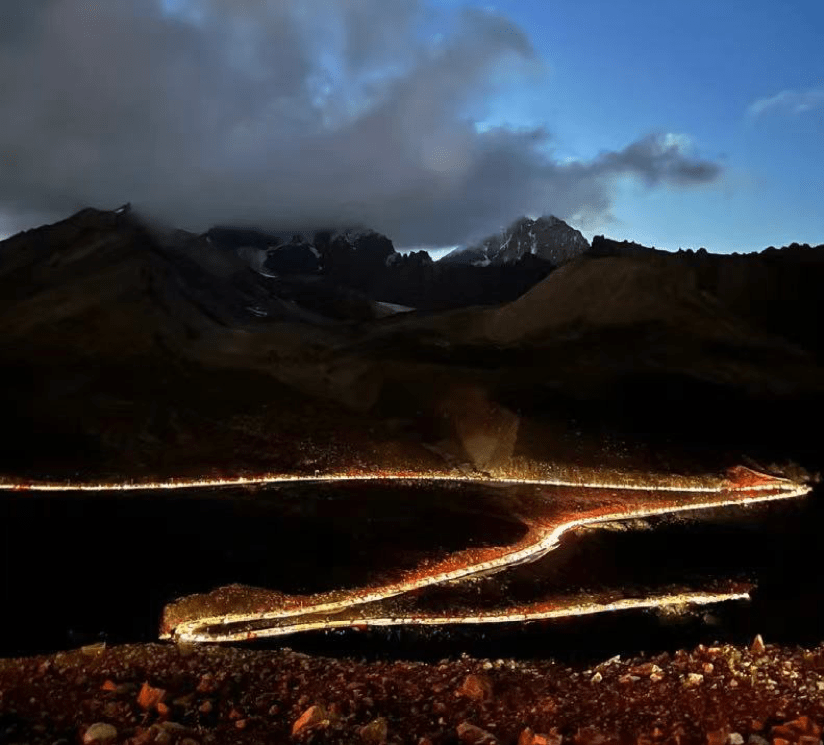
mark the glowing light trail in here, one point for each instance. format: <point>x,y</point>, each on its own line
<point>199,633</point>
<point>238,613</point>
<point>676,485</point>
<point>229,614</point>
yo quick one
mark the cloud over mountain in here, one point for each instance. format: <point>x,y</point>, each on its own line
<point>289,113</point>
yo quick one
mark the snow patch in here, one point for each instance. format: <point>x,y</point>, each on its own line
<point>382,310</point>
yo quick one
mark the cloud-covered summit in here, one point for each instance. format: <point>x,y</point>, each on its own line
<point>290,113</point>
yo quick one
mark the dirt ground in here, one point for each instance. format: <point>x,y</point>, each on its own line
<point>153,693</point>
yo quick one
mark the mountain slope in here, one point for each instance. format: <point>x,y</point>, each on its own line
<point>775,289</point>
<point>103,282</point>
<point>128,350</point>
<point>601,354</point>
<point>590,294</point>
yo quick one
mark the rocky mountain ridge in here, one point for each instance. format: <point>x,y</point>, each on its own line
<point>548,238</point>
<point>366,262</point>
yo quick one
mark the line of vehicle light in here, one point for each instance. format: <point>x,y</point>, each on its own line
<point>544,544</point>
<point>193,634</point>
<point>274,480</point>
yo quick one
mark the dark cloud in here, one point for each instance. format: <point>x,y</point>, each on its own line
<point>659,158</point>
<point>18,21</point>
<point>288,113</point>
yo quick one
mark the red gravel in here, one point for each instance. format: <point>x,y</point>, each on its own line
<point>170,694</point>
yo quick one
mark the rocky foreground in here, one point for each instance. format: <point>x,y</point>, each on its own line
<point>150,693</point>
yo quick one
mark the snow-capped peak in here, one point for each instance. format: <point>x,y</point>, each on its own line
<point>548,238</point>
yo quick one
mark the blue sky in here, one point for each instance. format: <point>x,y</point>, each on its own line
<point>743,79</point>
<point>674,124</point>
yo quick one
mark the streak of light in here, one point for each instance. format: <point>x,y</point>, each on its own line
<point>545,540</point>
<point>436,477</point>
<point>749,489</point>
<point>191,632</point>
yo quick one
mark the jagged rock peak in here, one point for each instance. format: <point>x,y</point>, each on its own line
<point>331,251</point>
<point>548,238</point>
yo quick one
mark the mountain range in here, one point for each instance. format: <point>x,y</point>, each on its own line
<point>365,261</point>
<point>133,350</point>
